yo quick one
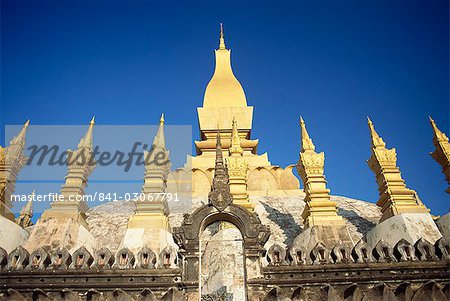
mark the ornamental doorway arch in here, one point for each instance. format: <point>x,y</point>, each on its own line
<point>188,236</point>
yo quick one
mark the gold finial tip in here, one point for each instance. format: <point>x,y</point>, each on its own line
<point>92,121</point>
<point>222,39</point>
<point>368,119</point>
<point>431,119</point>
<point>161,120</point>
<point>27,123</point>
<point>301,120</point>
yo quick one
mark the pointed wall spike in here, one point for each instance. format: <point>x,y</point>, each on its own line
<point>87,140</point>
<point>438,134</point>
<point>80,164</point>
<point>160,140</point>
<point>377,141</point>
<point>219,155</point>
<point>26,213</point>
<point>320,210</point>
<point>155,182</point>
<point>220,196</point>
<point>238,166</point>
<point>307,143</point>
<point>13,159</point>
<point>20,138</point>
<point>28,207</point>
<point>442,152</point>
<point>391,186</point>
<point>220,169</point>
<point>235,140</point>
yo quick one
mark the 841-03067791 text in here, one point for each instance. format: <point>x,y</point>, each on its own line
<point>139,197</point>
<point>98,196</point>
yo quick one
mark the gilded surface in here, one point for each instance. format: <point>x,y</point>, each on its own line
<point>395,197</point>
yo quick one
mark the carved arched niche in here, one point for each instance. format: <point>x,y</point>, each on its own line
<point>187,236</point>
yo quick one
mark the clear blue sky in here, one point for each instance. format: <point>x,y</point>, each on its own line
<point>333,62</point>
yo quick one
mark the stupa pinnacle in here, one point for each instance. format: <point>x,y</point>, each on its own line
<point>224,100</point>
<point>224,89</point>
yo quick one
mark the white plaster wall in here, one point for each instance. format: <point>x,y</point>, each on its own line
<point>11,234</point>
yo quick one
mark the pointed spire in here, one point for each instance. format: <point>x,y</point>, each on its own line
<point>24,219</point>
<point>220,196</point>
<point>224,90</point>
<point>12,159</point>
<point>438,134</point>
<point>219,155</point>
<point>307,143</point>
<point>319,209</point>
<point>442,152</point>
<point>377,141</point>
<point>220,168</point>
<point>237,166</point>
<point>87,140</point>
<point>28,208</point>
<point>235,140</point>
<point>222,39</point>
<point>20,138</point>
<point>160,141</point>
<point>395,198</point>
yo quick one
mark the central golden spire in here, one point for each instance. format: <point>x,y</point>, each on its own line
<point>225,99</point>
<point>224,90</point>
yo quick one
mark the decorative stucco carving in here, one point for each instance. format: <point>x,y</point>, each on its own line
<point>425,250</point>
<point>18,259</point>
<point>146,295</point>
<point>119,295</point>
<point>81,259</point>
<point>124,259</point>
<point>103,259</point>
<point>341,253</point>
<point>404,251</point>
<point>383,252</point>
<point>443,248</point>
<point>146,258</point>
<point>3,258</point>
<point>220,195</point>
<point>61,259</point>
<point>276,255</point>
<point>320,254</point>
<point>298,254</point>
<point>39,259</point>
<point>362,253</point>
<point>168,257</point>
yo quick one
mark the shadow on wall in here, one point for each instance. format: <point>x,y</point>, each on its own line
<point>362,225</point>
<point>285,221</point>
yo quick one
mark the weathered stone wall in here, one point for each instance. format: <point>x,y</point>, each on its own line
<point>281,213</point>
